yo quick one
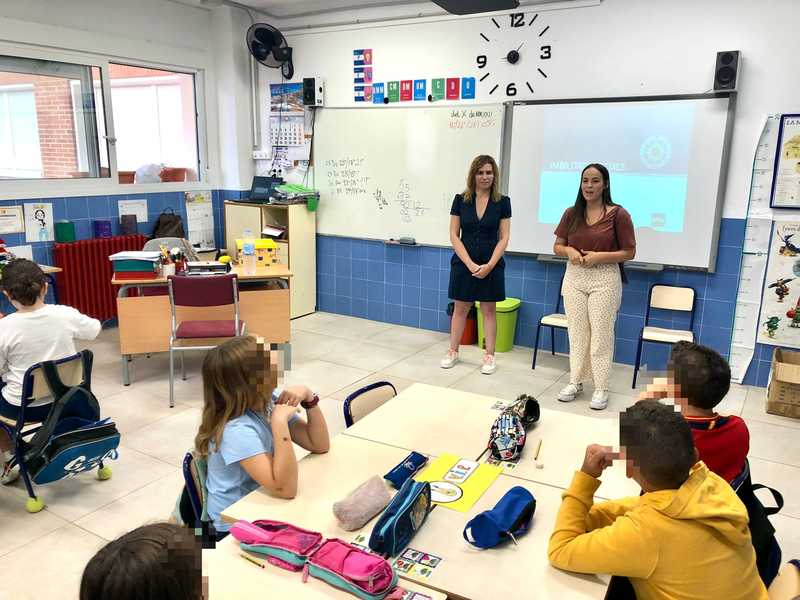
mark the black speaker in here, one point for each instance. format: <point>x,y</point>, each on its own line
<point>726,70</point>
<point>313,91</point>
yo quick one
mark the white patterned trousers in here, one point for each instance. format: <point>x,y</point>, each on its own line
<point>592,296</point>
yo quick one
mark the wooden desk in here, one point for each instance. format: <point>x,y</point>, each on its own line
<point>435,420</point>
<point>232,577</point>
<point>145,322</point>
<point>507,571</point>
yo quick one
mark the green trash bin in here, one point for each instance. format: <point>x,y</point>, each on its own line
<point>506,324</point>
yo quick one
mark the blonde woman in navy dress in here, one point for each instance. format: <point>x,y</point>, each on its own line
<point>480,225</point>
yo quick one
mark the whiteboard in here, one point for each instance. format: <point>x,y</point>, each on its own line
<point>667,158</point>
<point>387,172</point>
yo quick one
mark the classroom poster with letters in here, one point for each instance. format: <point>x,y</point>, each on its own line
<point>200,217</point>
<point>779,324</point>
<point>786,178</point>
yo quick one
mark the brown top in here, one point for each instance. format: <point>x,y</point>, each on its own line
<point>600,237</point>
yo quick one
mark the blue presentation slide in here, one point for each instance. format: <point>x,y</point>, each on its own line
<point>646,149</point>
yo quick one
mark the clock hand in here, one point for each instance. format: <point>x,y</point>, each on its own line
<point>520,46</point>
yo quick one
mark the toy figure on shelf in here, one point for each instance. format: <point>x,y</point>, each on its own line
<point>781,289</point>
<point>788,248</point>
<point>794,314</point>
<point>772,326</point>
<point>5,255</point>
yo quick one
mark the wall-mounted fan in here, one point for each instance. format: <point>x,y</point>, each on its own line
<point>269,47</point>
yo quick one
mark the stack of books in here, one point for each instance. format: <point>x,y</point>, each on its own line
<point>135,265</point>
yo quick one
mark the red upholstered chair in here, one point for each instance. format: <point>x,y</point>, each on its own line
<point>200,291</point>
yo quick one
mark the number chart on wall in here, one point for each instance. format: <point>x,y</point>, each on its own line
<point>392,172</point>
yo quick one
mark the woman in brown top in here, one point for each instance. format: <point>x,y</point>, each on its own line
<point>596,236</point>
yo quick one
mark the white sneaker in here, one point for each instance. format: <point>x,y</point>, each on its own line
<point>9,474</point>
<point>599,400</point>
<point>568,393</point>
<point>450,359</point>
<point>489,365</point>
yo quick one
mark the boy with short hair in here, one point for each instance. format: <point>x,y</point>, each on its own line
<point>699,378</point>
<point>686,511</point>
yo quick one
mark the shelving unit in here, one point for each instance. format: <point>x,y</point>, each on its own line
<point>298,249</point>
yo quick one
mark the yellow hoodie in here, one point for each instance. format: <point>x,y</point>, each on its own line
<point>690,543</point>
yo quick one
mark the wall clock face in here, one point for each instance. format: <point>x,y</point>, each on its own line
<point>513,54</point>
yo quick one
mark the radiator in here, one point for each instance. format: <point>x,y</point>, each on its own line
<point>85,282</point>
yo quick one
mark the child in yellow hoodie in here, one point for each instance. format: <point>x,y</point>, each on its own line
<point>686,537</point>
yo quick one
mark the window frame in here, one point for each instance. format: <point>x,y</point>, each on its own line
<point>67,187</point>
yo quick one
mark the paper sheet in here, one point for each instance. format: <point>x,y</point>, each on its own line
<point>136,207</point>
<point>39,222</point>
<point>751,278</point>
<point>25,251</point>
<point>739,361</point>
<point>200,217</point>
<point>756,235</point>
<point>743,331</point>
<point>458,482</point>
<point>11,219</point>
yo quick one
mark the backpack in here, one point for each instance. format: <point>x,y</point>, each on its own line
<point>768,552</point>
<point>73,438</point>
<point>402,518</point>
<point>507,437</point>
<point>168,224</point>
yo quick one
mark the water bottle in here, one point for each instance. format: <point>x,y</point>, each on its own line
<point>248,253</point>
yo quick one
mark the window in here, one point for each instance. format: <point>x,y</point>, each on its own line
<point>49,127</point>
<point>155,124</point>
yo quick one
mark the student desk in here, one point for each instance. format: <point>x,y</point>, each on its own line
<point>435,420</point>
<point>145,322</point>
<point>50,272</point>
<point>232,577</point>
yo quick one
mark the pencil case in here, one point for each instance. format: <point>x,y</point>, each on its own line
<point>402,518</point>
<point>509,519</point>
<point>406,469</point>
<point>342,565</point>
<point>363,503</point>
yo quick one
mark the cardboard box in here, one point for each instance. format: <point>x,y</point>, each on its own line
<point>784,381</point>
<point>783,409</point>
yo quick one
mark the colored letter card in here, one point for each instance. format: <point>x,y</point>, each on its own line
<point>457,483</point>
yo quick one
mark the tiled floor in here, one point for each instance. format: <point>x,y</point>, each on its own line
<point>334,355</point>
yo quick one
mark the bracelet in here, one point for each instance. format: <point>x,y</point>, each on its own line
<point>308,405</point>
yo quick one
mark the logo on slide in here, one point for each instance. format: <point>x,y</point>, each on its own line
<point>655,151</point>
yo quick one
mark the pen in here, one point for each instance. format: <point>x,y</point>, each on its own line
<point>252,560</point>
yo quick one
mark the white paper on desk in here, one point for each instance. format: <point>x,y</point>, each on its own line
<point>39,222</point>
<point>136,207</point>
<point>25,251</point>
<point>11,219</point>
<point>752,278</point>
<point>740,360</point>
<point>756,235</point>
<point>744,324</point>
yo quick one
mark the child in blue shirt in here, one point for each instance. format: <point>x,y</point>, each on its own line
<point>247,428</point>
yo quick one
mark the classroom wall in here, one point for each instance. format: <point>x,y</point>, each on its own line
<point>616,48</point>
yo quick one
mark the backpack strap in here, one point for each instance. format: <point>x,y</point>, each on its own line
<point>776,495</point>
<point>53,379</point>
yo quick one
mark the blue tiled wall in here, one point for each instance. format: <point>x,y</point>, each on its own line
<point>408,285</point>
<point>83,210</point>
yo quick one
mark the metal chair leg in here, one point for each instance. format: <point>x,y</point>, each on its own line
<point>553,341</point>
<point>171,377</point>
<point>638,361</point>
<point>183,366</point>
<point>536,345</point>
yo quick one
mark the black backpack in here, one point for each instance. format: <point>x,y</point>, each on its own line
<point>168,224</point>
<point>768,552</point>
<point>72,439</point>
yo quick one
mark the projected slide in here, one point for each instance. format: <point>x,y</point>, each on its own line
<point>645,147</point>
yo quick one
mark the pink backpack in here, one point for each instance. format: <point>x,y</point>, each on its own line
<point>338,563</point>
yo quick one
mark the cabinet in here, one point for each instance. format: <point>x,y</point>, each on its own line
<point>297,250</point>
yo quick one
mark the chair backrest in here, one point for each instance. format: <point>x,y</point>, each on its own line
<point>363,401</point>
<point>34,383</point>
<point>671,297</point>
<point>195,470</point>
<point>172,242</point>
<point>203,290</point>
<point>786,586</point>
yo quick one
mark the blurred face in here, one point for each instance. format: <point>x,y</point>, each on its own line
<point>592,185</point>
<point>484,178</point>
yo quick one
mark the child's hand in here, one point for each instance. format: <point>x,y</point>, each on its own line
<point>597,459</point>
<point>660,388</point>
<point>294,395</point>
<point>283,412</point>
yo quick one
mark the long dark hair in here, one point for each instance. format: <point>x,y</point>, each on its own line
<point>579,208</point>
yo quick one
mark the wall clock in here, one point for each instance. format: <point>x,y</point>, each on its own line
<point>513,53</point>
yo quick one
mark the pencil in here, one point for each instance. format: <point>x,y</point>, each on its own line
<point>538,448</point>
<point>252,560</point>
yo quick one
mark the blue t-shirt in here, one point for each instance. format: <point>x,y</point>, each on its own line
<point>226,481</point>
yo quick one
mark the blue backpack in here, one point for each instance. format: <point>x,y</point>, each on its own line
<point>73,438</point>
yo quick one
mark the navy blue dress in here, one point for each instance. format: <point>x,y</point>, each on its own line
<point>479,238</point>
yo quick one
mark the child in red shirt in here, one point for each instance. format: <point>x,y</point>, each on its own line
<point>699,378</point>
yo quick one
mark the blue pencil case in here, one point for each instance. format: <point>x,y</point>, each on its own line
<point>402,518</point>
<point>406,469</point>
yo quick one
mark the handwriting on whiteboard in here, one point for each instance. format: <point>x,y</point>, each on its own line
<point>470,118</point>
<point>409,207</point>
<point>345,176</point>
